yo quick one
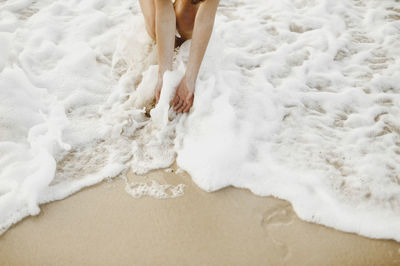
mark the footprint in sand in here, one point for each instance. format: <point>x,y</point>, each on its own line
<point>281,215</point>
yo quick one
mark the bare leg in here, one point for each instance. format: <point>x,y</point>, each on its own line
<point>185,14</point>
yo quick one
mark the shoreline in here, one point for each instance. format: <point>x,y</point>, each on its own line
<point>104,225</point>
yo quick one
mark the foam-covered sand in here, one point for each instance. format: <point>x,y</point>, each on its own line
<point>295,99</point>
<point>102,225</point>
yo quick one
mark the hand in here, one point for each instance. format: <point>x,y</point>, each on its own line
<point>184,96</point>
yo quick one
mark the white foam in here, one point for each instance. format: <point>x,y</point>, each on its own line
<point>53,139</point>
<point>302,105</point>
<point>296,99</point>
<point>154,189</point>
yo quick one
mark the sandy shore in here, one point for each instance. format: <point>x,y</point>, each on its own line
<point>103,225</point>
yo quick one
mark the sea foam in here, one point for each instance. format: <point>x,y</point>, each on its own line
<point>295,99</point>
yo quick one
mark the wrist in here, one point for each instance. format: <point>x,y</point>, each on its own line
<point>160,74</point>
<point>190,80</point>
<point>162,70</point>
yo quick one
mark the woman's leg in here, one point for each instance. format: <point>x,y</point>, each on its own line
<point>185,13</point>
<point>149,12</point>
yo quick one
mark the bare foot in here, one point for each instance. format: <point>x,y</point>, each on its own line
<point>184,96</point>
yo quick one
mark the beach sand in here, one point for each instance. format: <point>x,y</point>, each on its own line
<point>104,225</point>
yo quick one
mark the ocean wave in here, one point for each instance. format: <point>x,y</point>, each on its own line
<point>295,99</point>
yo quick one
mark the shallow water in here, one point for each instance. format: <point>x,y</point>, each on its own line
<point>295,99</point>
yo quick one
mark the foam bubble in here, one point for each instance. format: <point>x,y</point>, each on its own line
<point>154,189</point>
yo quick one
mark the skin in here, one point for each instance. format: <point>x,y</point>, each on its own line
<point>192,22</point>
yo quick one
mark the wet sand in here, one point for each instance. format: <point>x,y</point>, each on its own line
<point>104,225</point>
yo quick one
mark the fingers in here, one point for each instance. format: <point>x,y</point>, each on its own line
<point>158,96</point>
<point>183,100</point>
<point>179,104</point>
<point>174,101</point>
<point>182,107</point>
<point>188,105</point>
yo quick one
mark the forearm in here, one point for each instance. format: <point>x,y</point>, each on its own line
<point>165,34</point>
<point>201,35</point>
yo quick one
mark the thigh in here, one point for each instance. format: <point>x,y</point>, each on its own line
<point>149,12</point>
<point>185,13</point>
